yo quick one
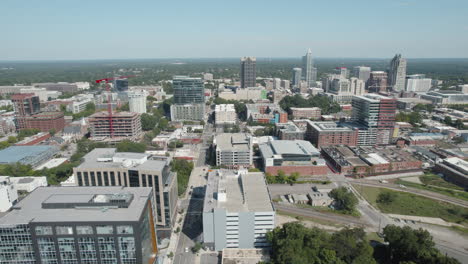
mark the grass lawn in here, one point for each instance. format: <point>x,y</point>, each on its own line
<point>411,204</point>
<point>460,194</point>
<point>373,236</point>
<point>311,219</point>
<point>431,179</point>
<point>327,209</point>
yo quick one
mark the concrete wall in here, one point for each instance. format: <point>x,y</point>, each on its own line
<point>246,229</point>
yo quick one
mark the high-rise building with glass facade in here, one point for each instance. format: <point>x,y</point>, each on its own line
<point>397,73</point>
<point>248,74</point>
<point>189,99</point>
<point>80,225</point>
<point>297,77</point>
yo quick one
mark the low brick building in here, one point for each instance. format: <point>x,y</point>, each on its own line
<point>292,156</point>
<point>323,134</point>
<point>44,121</point>
<point>367,161</point>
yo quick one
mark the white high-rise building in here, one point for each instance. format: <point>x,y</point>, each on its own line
<point>137,102</point>
<point>308,69</point>
<point>362,72</point>
<point>225,114</point>
<point>276,83</point>
<point>418,83</point>
<point>285,84</point>
<point>397,73</point>
<point>357,86</point>
<point>297,77</point>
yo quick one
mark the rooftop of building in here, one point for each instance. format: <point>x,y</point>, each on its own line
<point>305,108</point>
<point>17,153</point>
<point>237,191</point>
<point>225,108</point>
<point>114,114</point>
<point>328,126</point>
<point>100,158</point>
<point>371,97</point>
<point>462,165</point>
<point>79,204</point>
<point>288,127</point>
<point>233,141</point>
<point>288,147</point>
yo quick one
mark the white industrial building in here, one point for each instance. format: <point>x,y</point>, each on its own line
<point>237,210</point>
<point>225,114</point>
<point>137,102</point>
<point>8,193</point>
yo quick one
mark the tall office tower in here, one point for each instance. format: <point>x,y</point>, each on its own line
<point>308,69</point>
<point>376,114</point>
<point>340,86</point>
<point>248,72</point>
<point>297,77</point>
<point>397,73</point>
<point>80,225</point>
<point>362,72</point>
<point>357,86</point>
<point>137,102</point>
<point>343,72</point>
<point>418,83</point>
<point>188,90</point>
<point>189,99</point>
<point>121,85</point>
<point>377,82</point>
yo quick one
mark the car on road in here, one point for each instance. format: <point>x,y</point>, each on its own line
<point>186,250</point>
<point>402,186</point>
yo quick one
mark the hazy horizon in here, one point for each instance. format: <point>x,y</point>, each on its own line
<point>99,30</point>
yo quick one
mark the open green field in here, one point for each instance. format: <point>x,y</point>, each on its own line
<point>431,179</point>
<point>410,204</point>
<point>460,194</point>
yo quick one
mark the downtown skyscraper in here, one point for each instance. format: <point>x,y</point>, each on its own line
<point>397,73</point>
<point>310,73</point>
<point>248,72</point>
<point>189,99</point>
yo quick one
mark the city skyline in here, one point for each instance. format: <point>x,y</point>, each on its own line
<point>68,31</point>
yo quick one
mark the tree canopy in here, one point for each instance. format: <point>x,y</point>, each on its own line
<point>412,245</point>
<point>344,199</point>
<point>324,103</point>
<point>130,146</point>
<point>294,243</point>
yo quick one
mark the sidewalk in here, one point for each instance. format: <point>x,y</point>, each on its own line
<point>174,241</point>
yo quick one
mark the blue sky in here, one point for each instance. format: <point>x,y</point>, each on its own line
<point>101,29</point>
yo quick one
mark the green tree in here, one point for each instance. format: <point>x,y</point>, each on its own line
<point>411,245</point>
<point>148,122</point>
<point>130,146</point>
<point>448,120</point>
<point>344,199</point>
<point>352,246</point>
<point>184,169</point>
<point>386,197</point>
